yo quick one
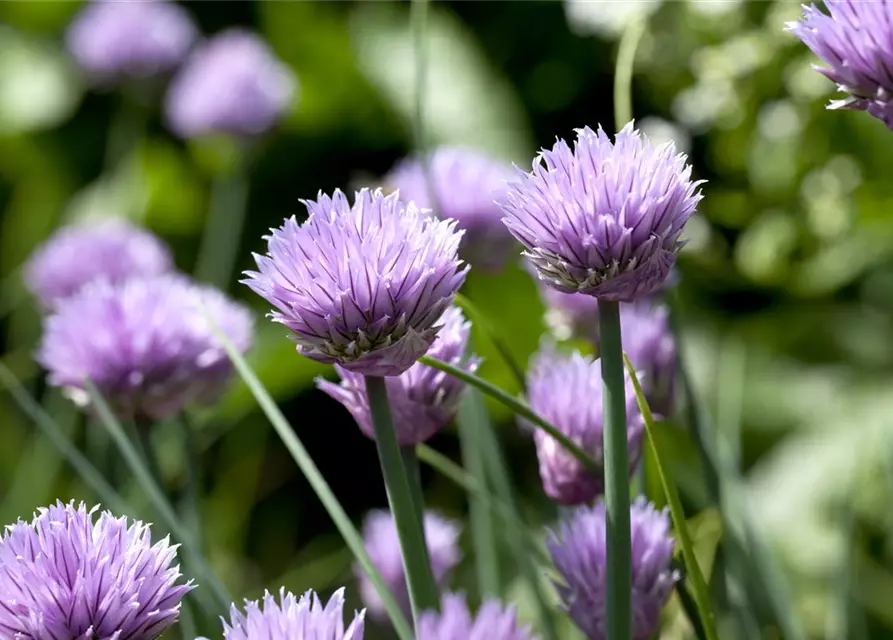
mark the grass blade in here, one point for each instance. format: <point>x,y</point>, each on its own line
<point>296,448</point>
<point>518,406</point>
<point>623,72</point>
<point>162,506</point>
<point>498,471</point>
<point>459,476</point>
<point>699,586</point>
<point>60,439</point>
<point>483,528</point>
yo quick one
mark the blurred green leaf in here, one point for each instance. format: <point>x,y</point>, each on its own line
<point>39,87</point>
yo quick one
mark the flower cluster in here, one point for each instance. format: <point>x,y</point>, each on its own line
<point>464,184</point>
<point>423,400</point>
<point>112,250</point>
<point>114,40</point>
<point>361,285</point>
<point>146,343</point>
<point>567,391</point>
<point>603,219</point>
<point>854,39</point>
<point>580,555</point>
<point>383,545</point>
<point>493,621</point>
<point>231,84</point>
<point>306,618</point>
<point>67,574</point>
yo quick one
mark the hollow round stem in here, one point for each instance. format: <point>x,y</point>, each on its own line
<point>419,578</point>
<point>618,608</point>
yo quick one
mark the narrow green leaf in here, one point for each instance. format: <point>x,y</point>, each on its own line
<point>296,448</point>
<point>162,506</point>
<point>483,527</point>
<point>699,586</point>
<point>469,483</point>
<point>61,440</point>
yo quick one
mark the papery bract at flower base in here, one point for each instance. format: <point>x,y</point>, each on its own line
<point>603,219</point>
<point>422,399</point>
<point>146,344</point>
<point>466,183</point>
<point>856,40</point>
<point>493,621</point>
<point>68,575</point>
<point>293,618</point>
<point>232,84</point>
<point>361,285</point>
<point>383,544</point>
<point>112,250</point>
<point>112,40</point>
<point>567,391</point>
<point>580,556</point>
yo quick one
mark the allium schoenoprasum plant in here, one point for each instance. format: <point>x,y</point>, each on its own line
<point>633,503</point>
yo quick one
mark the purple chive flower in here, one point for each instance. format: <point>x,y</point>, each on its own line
<point>603,219</point>
<point>69,575</point>
<point>232,84</point>
<point>423,400</point>
<point>113,250</point>
<point>145,343</point>
<point>383,545</point>
<point>466,183</point>
<point>566,390</point>
<point>364,285</point>
<point>292,618</point>
<point>856,40</point>
<point>647,339</point>
<point>111,40</point>
<point>493,621</point>
<point>579,553</point>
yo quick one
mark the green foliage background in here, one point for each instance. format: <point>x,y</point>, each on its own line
<point>786,283</point>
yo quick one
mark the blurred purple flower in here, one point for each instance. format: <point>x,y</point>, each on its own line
<point>111,40</point>
<point>579,553</point>
<point>603,219</point>
<point>466,183</point>
<point>383,545</point>
<point>293,619</point>
<point>65,575</point>
<point>232,84</point>
<point>112,250</point>
<point>856,40</point>
<point>647,339</point>
<point>423,400</point>
<point>566,390</point>
<point>145,343</point>
<point>494,621</point>
<point>361,285</point>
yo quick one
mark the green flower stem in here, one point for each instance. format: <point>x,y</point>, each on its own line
<point>623,72</point>
<point>414,474</point>
<point>619,605</point>
<point>159,501</point>
<point>317,482</point>
<point>223,228</point>
<point>190,501</point>
<point>518,406</point>
<point>419,578</point>
<point>58,436</point>
<point>699,585</point>
<point>483,528</point>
